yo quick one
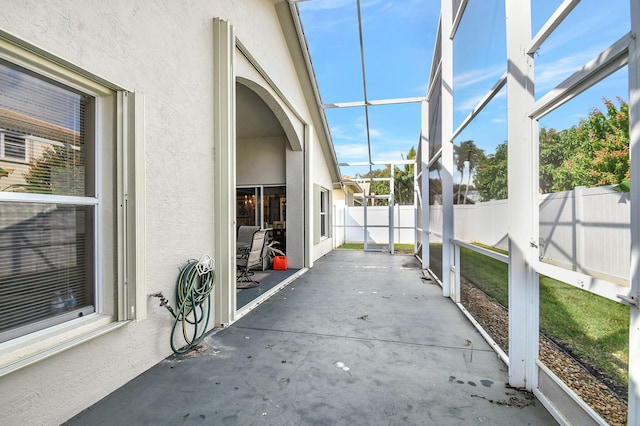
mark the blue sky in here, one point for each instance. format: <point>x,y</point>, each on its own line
<point>399,36</point>
<point>398,43</point>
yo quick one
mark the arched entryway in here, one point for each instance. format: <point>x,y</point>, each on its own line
<point>269,182</point>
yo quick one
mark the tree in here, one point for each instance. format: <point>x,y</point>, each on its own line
<point>62,162</point>
<point>475,155</point>
<point>459,159</point>
<point>552,155</point>
<point>596,151</point>
<point>378,187</point>
<point>466,156</point>
<point>491,175</point>
<point>404,181</point>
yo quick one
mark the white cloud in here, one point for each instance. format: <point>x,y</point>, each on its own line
<point>472,77</point>
<point>552,73</point>
<point>352,152</point>
<point>469,103</point>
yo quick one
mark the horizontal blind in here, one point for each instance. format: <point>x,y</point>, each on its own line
<point>45,122</point>
<point>46,254</point>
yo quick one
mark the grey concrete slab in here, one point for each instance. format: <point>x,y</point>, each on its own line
<point>360,339</point>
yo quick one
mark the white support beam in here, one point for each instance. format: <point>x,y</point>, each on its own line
<point>552,23</point>
<point>377,163</point>
<point>391,207</point>
<point>523,193</point>
<point>633,417</point>
<point>395,101</point>
<point>458,17</point>
<point>447,146</point>
<point>604,64</point>
<point>224,144</point>
<point>424,184</point>
<point>434,71</point>
<point>483,103</point>
<point>432,83</point>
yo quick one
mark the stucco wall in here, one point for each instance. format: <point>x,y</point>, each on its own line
<point>164,50</point>
<point>322,177</point>
<point>261,161</point>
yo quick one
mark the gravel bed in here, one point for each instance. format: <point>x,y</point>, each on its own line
<point>494,319</point>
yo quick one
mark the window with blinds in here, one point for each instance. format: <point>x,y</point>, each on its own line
<point>324,216</point>
<point>47,203</point>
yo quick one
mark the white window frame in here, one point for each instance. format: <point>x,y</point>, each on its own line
<point>324,213</point>
<point>119,136</point>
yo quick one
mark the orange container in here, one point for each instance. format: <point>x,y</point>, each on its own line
<point>280,263</point>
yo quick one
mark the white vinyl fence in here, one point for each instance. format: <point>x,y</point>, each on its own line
<point>586,230</point>
<point>348,224</point>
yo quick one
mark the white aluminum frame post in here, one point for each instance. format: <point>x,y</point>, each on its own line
<point>634,142</point>
<point>446,24</point>
<point>523,192</point>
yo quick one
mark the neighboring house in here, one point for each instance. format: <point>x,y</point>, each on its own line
<point>162,112</point>
<point>351,193</point>
<point>29,141</point>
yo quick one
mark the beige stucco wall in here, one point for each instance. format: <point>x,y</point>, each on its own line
<point>320,176</point>
<point>164,50</point>
<point>261,161</point>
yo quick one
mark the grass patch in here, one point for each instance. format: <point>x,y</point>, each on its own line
<point>490,275</point>
<point>352,246</point>
<point>590,326</point>
<point>398,248</point>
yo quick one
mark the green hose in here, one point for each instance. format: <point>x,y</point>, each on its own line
<point>193,290</point>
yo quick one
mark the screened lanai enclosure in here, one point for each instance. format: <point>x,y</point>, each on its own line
<point>526,180</point>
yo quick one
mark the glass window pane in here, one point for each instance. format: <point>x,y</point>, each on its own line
<point>46,258</point>
<point>246,200</point>
<point>42,125</point>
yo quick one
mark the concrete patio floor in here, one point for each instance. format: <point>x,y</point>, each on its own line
<point>360,339</point>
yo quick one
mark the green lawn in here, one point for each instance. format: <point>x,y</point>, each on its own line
<point>398,248</point>
<point>593,327</point>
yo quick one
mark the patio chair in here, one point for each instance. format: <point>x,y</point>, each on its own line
<point>250,257</point>
<point>245,234</point>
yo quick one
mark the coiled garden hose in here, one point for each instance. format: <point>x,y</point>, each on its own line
<point>193,291</point>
